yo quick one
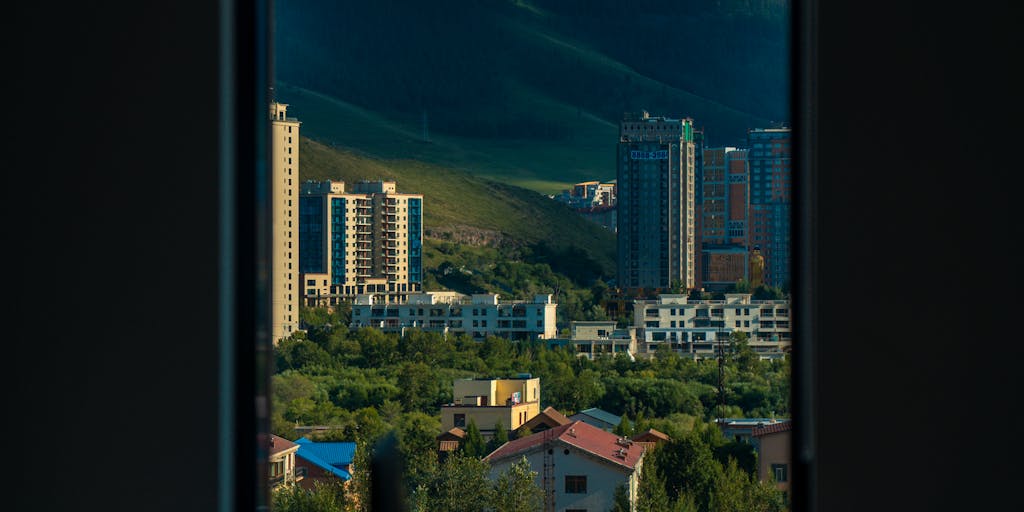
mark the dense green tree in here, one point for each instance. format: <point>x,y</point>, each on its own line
<point>461,484</point>
<point>365,389</point>
<point>742,453</point>
<point>419,386</point>
<point>289,385</point>
<point>516,489</point>
<point>742,286</point>
<point>652,495</point>
<point>624,320</point>
<point>737,489</point>
<point>299,353</point>
<point>417,443</point>
<point>765,497</point>
<point>500,438</point>
<point>676,287</point>
<point>378,349</point>
<point>689,467</point>
<point>620,499</point>
<point>741,353</point>
<point>300,410</point>
<point>323,497</point>
<point>390,410</point>
<point>586,391</point>
<point>359,486</point>
<point>730,488</point>
<point>424,347</point>
<point>766,292</point>
<point>474,445</point>
<point>624,428</point>
<point>684,503</point>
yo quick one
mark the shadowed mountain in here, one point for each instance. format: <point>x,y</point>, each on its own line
<point>526,92</point>
<point>464,208</point>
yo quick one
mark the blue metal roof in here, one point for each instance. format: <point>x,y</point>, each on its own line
<point>602,415</point>
<point>329,456</point>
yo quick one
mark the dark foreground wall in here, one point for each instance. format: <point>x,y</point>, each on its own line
<point>110,347</point>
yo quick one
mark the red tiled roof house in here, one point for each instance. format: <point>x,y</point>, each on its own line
<point>578,464</point>
<point>773,455</point>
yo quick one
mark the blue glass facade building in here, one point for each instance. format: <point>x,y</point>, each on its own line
<point>415,240</point>
<point>770,191</point>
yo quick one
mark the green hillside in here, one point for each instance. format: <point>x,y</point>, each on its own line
<point>545,167</point>
<point>528,93</point>
<point>464,208</point>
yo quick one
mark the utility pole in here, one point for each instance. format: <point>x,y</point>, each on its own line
<point>721,364</point>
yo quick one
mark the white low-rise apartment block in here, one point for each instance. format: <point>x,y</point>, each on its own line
<point>477,316</point>
<point>599,337</point>
<point>698,328</point>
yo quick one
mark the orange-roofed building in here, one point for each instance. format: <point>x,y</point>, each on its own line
<point>548,418</point>
<point>650,438</point>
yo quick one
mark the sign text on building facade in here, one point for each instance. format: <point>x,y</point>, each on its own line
<point>661,154</point>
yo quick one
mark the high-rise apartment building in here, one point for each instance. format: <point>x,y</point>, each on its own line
<point>699,144</point>
<point>770,190</point>
<point>284,272</point>
<point>367,240</point>
<point>655,178</point>
<point>724,257</point>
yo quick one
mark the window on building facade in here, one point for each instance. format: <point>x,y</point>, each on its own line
<point>780,472</point>
<point>575,484</point>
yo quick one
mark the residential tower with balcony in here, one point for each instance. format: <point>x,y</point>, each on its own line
<point>363,239</point>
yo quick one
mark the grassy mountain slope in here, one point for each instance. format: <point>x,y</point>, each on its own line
<point>545,167</point>
<point>462,207</point>
<point>528,93</point>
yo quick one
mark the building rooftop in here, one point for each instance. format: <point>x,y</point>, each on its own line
<point>549,416</point>
<point>651,433</point>
<point>452,432</point>
<point>451,298</point>
<point>749,421</point>
<point>332,456</point>
<point>279,444</point>
<point>601,415</point>
<point>773,428</point>
<point>518,376</point>
<point>606,446</point>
